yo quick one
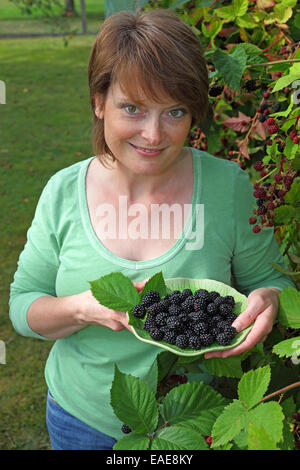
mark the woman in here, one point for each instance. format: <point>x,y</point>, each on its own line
<point>148,85</point>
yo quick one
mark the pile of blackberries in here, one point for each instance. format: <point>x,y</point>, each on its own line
<point>188,320</point>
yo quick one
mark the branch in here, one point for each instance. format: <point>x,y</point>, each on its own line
<point>282,390</point>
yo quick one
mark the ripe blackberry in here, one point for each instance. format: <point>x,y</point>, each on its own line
<point>215,90</point>
<point>202,293</point>
<point>229,299</point>
<point>149,322</point>
<point>200,328</point>
<point>139,311</point>
<point>173,322</point>
<point>174,309</point>
<point>170,337</point>
<point>160,318</point>
<point>164,304</point>
<point>231,317</point>
<point>206,339</point>
<point>197,316</point>
<point>182,341</point>
<point>194,342</point>
<point>155,308</point>
<point>213,295</point>
<point>222,325</point>
<point>150,298</point>
<point>125,429</point>
<point>213,321</point>
<point>225,309</point>
<point>186,293</point>
<point>175,297</point>
<point>212,308</point>
<point>250,85</point>
<point>219,300</point>
<point>156,333</point>
<point>188,304</point>
<point>223,339</point>
<point>200,303</point>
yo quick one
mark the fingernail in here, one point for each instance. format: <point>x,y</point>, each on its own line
<point>237,325</point>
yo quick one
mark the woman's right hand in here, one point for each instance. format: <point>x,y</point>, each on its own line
<point>93,313</point>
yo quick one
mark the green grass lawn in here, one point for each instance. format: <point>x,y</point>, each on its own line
<point>44,127</point>
<point>12,20</point>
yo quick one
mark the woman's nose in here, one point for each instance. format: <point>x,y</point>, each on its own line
<point>152,131</point>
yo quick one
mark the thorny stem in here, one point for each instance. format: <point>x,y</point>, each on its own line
<point>282,390</point>
<point>273,62</point>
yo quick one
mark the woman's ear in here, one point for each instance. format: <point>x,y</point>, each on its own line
<point>99,106</point>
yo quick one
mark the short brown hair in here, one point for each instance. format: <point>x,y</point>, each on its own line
<point>155,51</point>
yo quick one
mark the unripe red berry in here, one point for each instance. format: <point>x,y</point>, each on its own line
<point>273,129</point>
<point>278,177</point>
<point>270,121</point>
<point>252,220</point>
<point>263,173</point>
<point>256,229</point>
<point>258,165</point>
<point>296,140</point>
<point>266,94</point>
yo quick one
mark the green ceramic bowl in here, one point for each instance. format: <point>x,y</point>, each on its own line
<point>195,284</point>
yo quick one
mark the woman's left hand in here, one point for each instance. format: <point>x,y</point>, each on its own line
<point>263,305</point>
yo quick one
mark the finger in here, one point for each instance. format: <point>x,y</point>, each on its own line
<point>249,315</point>
<point>259,332</point>
<point>140,284</point>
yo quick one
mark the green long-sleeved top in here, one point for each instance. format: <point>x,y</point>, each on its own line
<point>62,254</point>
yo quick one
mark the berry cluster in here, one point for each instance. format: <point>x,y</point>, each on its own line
<point>188,320</point>
<point>269,196</point>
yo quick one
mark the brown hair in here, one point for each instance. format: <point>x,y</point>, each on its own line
<point>154,51</point>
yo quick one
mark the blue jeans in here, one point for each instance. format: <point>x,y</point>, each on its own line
<point>69,433</point>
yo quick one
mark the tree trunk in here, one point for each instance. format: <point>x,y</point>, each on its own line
<point>69,6</point>
<point>83,16</point>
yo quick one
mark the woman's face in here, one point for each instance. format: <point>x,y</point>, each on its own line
<point>144,136</point>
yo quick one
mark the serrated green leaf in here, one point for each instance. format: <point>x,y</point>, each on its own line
<point>287,348</point>
<point>133,402</point>
<point>231,66</point>
<point>156,283</point>
<point>151,378</point>
<point>292,197</point>
<point>259,439</point>
<point>177,438</point>
<point>240,7</point>
<point>133,441</point>
<point>225,367</point>
<point>288,441</point>
<point>230,423</point>
<point>289,310</point>
<point>253,385</point>
<point>195,403</point>
<point>270,417</point>
<point>115,291</point>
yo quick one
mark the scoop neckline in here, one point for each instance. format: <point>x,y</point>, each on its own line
<point>131,264</point>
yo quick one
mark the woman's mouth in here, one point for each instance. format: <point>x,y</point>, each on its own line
<point>147,152</point>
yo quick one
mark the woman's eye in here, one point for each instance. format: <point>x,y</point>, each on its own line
<point>177,113</point>
<point>131,109</point>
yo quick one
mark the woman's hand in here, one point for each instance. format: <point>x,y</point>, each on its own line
<point>92,313</point>
<point>263,305</point>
